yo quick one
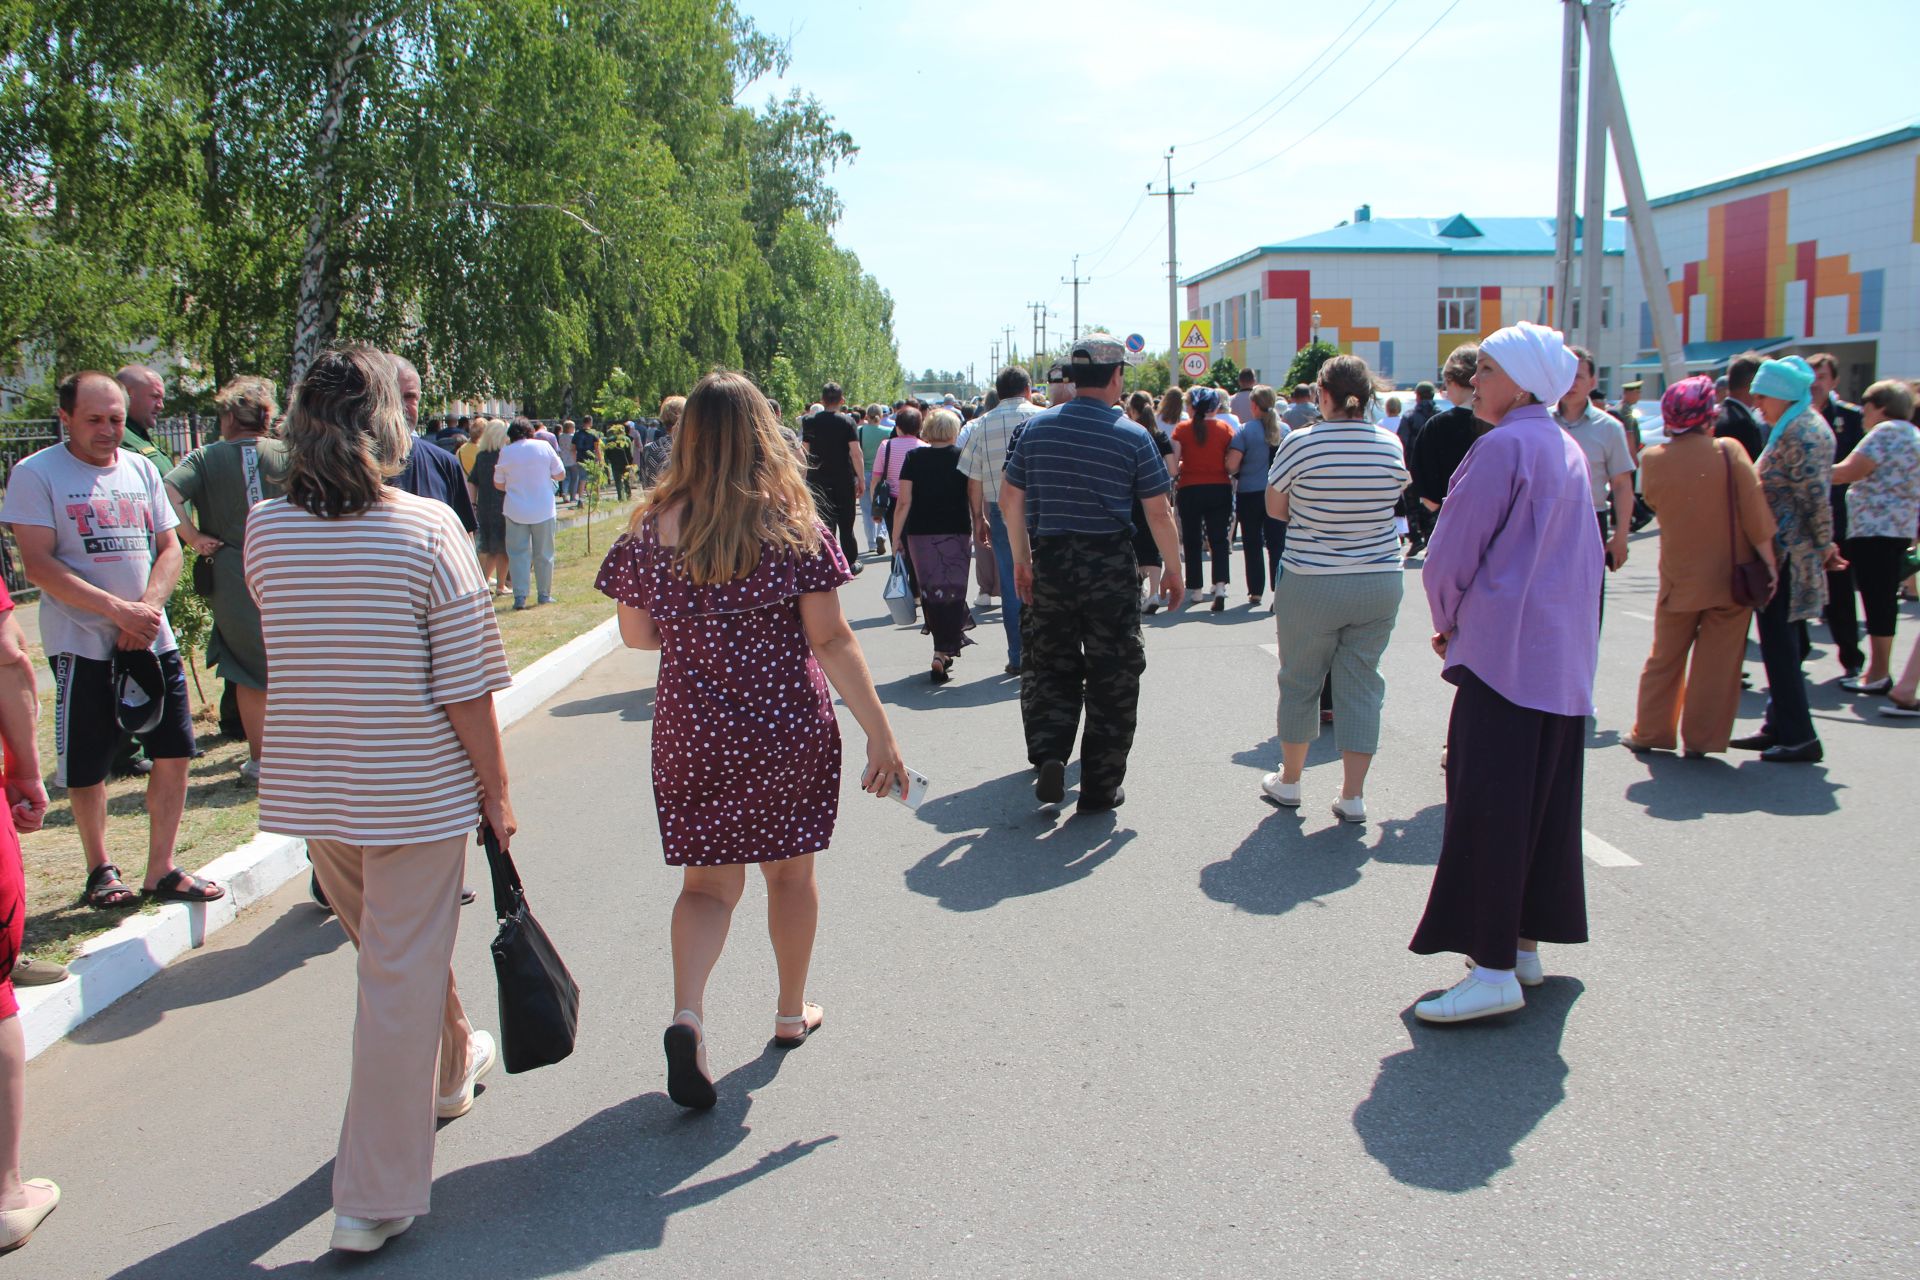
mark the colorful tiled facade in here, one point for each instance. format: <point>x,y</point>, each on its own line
<point>1400,293</point>
<point>1818,252</point>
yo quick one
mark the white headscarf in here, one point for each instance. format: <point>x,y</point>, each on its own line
<point>1535,357</point>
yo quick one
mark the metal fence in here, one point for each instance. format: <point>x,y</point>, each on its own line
<point>20,437</point>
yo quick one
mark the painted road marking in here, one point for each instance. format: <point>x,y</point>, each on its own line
<point>1273,649</point>
<point>1644,617</point>
<point>1604,854</point>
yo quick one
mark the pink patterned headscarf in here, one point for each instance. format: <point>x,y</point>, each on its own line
<point>1688,405</point>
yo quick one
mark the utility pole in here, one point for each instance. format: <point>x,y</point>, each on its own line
<point>1006,332</point>
<point>996,355</point>
<point>1594,223</point>
<point>1076,281</point>
<point>1173,263</point>
<point>1040,314</point>
<point>1646,245</point>
<point>1571,11</point>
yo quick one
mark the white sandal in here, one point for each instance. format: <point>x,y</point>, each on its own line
<point>687,1080</point>
<point>781,1020</point>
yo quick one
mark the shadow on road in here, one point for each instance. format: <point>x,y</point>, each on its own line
<point>604,1188</point>
<point>1680,790</point>
<point>1024,850</point>
<point>978,680</point>
<point>1278,867</point>
<point>1447,1114</point>
<point>635,705</point>
<point>302,933</point>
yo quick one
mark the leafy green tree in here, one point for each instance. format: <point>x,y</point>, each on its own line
<point>1225,374</point>
<point>1307,361</point>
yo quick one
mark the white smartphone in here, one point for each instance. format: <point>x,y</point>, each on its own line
<point>914,792</point>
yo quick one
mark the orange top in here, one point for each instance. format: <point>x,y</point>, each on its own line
<point>1203,463</point>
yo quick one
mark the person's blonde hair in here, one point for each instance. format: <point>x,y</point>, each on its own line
<point>738,487</point>
<point>1891,397</point>
<point>670,410</point>
<point>492,435</point>
<point>942,427</point>
<point>346,432</point>
<point>249,401</point>
<point>1266,408</point>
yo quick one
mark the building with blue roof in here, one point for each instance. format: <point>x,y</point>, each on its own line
<point>1400,293</point>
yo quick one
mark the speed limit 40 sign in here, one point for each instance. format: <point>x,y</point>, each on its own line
<point>1194,365</point>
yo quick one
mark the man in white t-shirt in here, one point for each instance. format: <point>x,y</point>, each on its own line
<point>527,468</point>
<point>96,535</point>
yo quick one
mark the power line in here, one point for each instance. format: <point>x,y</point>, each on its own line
<point>1101,253</point>
<point>1201,142</point>
<point>1364,89</point>
<point>1297,90</point>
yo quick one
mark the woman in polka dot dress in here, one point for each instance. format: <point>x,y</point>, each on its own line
<point>728,572</point>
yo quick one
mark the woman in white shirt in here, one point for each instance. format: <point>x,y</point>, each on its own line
<point>1335,483</point>
<point>526,471</point>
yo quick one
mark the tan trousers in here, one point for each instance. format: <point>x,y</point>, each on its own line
<point>1710,687</point>
<point>401,906</point>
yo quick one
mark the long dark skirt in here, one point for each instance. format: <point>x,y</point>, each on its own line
<point>1510,858</point>
<point>941,561</point>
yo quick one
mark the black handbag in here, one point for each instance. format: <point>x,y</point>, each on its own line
<point>1753,583</point>
<point>539,1000</point>
<point>203,576</point>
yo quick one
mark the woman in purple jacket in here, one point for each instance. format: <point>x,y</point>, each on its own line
<point>1512,571</point>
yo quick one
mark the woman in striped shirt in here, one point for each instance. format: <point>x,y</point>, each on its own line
<point>382,751</point>
<point>1335,483</point>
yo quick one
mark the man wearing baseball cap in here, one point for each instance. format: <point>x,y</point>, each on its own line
<point>1067,496</point>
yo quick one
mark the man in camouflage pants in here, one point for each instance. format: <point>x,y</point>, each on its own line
<point>1067,495</point>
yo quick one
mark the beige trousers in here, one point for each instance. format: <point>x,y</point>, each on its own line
<point>1697,700</point>
<point>401,906</point>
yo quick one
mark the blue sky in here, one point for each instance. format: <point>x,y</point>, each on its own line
<point>998,138</point>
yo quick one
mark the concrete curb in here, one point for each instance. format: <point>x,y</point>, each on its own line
<point>118,961</point>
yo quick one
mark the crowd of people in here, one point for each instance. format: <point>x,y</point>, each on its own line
<point>367,699</point>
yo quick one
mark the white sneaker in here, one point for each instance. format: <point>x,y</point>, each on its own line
<point>250,772</point>
<point>1286,793</point>
<point>364,1235</point>
<point>983,601</point>
<point>482,1053</point>
<point>1220,590</point>
<point>1350,809</point>
<point>1471,998</point>
<point>1526,968</point>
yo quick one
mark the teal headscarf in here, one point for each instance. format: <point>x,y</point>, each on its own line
<point>1790,379</point>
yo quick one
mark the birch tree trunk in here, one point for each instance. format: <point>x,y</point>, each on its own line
<point>316,308</point>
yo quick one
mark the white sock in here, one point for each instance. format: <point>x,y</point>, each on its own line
<point>1495,976</point>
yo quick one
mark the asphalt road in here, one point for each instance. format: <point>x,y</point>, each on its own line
<point>1171,1041</point>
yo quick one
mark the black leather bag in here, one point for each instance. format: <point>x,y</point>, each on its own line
<point>539,1000</point>
<point>1753,583</point>
<point>203,576</point>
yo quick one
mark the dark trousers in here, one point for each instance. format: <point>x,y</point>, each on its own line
<point>1510,852</point>
<point>1878,564</point>
<point>1082,652</point>
<point>1788,718</point>
<point>1261,538</point>
<point>1419,522</point>
<point>1601,516</point>
<point>1206,510</point>
<point>838,511</point>
<point>1843,623</point>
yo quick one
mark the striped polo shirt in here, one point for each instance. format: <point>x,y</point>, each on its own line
<point>1081,466</point>
<point>1341,480</point>
<point>373,623</point>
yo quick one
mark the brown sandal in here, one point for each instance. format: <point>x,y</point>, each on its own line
<point>106,889</point>
<point>179,886</point>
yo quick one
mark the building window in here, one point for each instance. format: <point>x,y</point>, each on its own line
<point>1460,310</point>
<point>1523,304</point>
<point>1255,305</point>
<point>1603,375</point>
<point>1606,309</point>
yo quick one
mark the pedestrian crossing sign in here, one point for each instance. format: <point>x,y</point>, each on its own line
<point>1196,335</point>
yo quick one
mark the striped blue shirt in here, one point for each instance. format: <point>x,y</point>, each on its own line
<point>1341,480</point>
<point>1081,466</point>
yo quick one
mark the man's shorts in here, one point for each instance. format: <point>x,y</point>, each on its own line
<point>85,731</point>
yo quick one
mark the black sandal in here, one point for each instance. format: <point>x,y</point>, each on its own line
<point>179,886</point>
<point>106,889</point>
<point>941,671</point>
